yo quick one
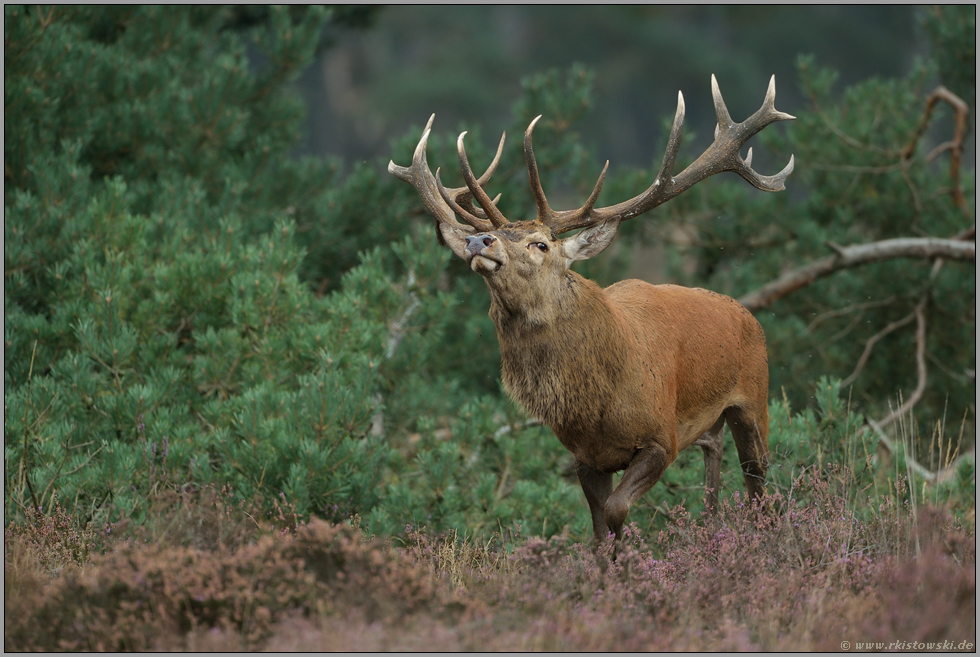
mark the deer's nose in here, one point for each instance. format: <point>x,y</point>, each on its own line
<point>475,244</point>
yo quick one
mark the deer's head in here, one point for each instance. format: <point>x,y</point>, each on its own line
<point>523,260</point>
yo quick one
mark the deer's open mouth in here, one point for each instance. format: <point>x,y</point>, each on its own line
<point>482,264</point>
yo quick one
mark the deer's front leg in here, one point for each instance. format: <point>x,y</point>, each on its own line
<point>641,474</point>
<point>597,486</point>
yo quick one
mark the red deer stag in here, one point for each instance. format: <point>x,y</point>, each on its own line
<point>629,375</point>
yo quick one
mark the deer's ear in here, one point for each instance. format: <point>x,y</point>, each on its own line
<point>590,242</point>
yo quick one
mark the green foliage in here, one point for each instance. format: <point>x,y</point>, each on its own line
<point>157,331</point>
<point>187,308</point>
<point>953,31</point>
<point>483,475</point>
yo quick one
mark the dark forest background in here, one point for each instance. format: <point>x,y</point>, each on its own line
<point>381,70</point>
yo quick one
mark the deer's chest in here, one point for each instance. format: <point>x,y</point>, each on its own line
<point>598,415</point>
<point>561,386</point>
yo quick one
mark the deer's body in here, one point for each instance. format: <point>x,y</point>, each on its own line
<point>602,376</point>
<point>630,375</point>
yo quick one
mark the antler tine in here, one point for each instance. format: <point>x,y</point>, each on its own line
<point>775,183</point>
<point>673,144</point>
<point>493,214</point>
<point>418,157</point>
<point>594,196</point>
<point>485,178</point>
<point>465,199</point>
<point>721,111</point>
<point>545,213</point>
<point>566,220</point>
<point>770,101</point>
<point>477,222</point>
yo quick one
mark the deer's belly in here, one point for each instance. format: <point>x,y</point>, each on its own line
<point>610,443</point>
<point>691,427</point>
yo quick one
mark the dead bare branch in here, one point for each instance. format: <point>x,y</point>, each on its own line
<point>399,326</point>
<point>845,331</point>
<point>936,477</point>
<point>870,344</point>
<point>26,462</point>
<point>857,307</point>
<point>954,146</point>
<point>854,256</point>
<point>920,363</point>
<point>920,349</point>
<point>965,377</point>
<point>967,233</point>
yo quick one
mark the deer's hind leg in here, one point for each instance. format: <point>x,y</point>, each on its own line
<point>711,443</point>
<point>750,428</point>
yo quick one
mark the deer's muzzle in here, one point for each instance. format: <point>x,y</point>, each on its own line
<point>475,244</point>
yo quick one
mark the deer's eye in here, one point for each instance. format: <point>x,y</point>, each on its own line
<point>540,245</point>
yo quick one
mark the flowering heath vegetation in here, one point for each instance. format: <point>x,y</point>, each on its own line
<point>795,572</point>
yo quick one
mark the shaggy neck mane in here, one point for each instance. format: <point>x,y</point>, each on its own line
<point>564,387</point>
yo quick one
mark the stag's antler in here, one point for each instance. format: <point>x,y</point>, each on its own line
<point>475,187</point>
<point>459,199</point>
<point>722,155</point>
